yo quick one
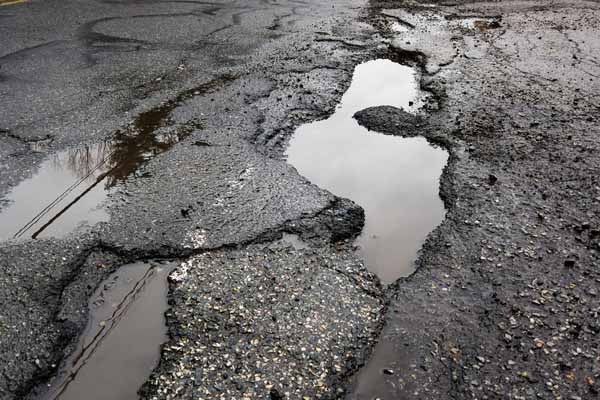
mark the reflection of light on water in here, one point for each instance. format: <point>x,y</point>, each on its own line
<point>82,161</point>
<point>36,200</point>
<point>66,191</point>
<point>127,312</point>
<point>394,179</point>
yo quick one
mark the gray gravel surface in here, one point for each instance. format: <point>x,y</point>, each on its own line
<point>267,323</point>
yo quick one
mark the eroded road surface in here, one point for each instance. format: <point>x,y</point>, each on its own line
<point>146,139</point>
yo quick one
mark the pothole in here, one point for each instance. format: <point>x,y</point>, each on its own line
<point>121,343</point>
<point>395,180</point>
<point>69,187</point>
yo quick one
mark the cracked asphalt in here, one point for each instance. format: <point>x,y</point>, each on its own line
<point>504,302</point>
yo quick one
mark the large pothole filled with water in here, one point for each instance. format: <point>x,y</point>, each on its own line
<point>394,179</point>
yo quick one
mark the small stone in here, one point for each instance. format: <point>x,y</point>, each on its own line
<point>275,395</point>
<point>388,371</point>
<point>589,380</point>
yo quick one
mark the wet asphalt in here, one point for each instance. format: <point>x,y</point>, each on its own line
<point>225,79</point>
<point>504,302</point>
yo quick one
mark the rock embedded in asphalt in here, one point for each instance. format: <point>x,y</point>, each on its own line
<point>391,120</point>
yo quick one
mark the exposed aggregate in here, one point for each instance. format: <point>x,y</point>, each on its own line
<point>266,323</point>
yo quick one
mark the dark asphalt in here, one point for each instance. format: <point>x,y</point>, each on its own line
<point>235,78</point>
<point>504,302</point>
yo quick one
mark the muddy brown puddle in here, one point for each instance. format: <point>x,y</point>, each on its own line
<point>121,343</point>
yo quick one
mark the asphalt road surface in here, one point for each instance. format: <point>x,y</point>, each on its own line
<point>157,130</point>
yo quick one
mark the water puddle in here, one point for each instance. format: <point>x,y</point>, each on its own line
<point>66,181</point>
<point>121,343</point>
<point>395,180</point>
<point>375,380</point>
<point>68,187</point>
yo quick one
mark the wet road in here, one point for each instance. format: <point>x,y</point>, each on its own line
<point>187,108</point>
<point>134,130</point>
<point>107,363</point>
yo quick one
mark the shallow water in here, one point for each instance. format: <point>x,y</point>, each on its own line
<point>58,182</point>
<point>121,344</point>
<point>68,188</point>
<point>395,180</point>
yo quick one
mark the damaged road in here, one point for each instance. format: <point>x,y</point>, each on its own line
<point>504,301</point>
<point>196,120</point>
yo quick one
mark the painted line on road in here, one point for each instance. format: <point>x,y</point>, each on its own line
<point>11,2</point>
